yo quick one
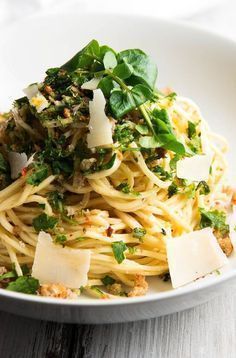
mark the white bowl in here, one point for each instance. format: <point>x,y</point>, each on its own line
<point>194,63</point>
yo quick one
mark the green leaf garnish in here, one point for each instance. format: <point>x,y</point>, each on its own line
<point>44,222</point>
<point>60,239</point>
<point>40,172</point>
<point>215,219</point>
<point>172,190</point>
<point>24,284</point>
<point>118,248</point>
<point>108,280</point>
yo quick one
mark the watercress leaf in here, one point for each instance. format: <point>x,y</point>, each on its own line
<point>123,71</point>
<point>106,85</point>
<point>175,147</point>
<point>24,284</point>
<point>84,58</point>
<point>109,60</point>
<point>118,248</point>
<point>174,161</point>
<point>104,49</point>
<point>149,142</point>
<point>144,70</point>
<point>9,274</point>
<point>121,103</point>
<point>44,222</point>
<point>142,129</point>
<point>141,94</point>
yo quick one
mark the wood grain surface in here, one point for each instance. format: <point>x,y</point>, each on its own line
<point>206,331</point>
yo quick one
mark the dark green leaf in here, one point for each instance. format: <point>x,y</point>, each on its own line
<point>44,222</point>
<point>144,70</point>
<point>121,103</point>
<point>107,85</point>
<point>118,248</point>
<point>24,284</point>
<point>84,58</point>
<point>141,94</point>
<point>123,71</point>
<point>174,161</point>
<point>109,164</point>
<point>161,173</point>
<point>10,274</point>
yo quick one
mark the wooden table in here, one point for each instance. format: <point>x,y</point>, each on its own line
<point>207,331</point>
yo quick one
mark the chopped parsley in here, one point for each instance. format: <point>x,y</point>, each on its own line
<point>215,219</point>
<point>161,173</point>
<point>108,280</point>
<point>125,188</point>
<point>172,190</point>
<point>39,173</point>
<point>191,129</point>
<point>44,222</point>
<point>24,284</point>
<point>56,199</point>
<point>118,248</point>
<point>203,187</point>
<point>124,134</point>
<point>139,233</point>
<point>60,239</point>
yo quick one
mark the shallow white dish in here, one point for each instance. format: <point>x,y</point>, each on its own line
<point>194,63</point>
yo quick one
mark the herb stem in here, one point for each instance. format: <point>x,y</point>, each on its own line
<point>147,118</point>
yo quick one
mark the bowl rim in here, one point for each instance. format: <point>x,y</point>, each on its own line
<point>158,296</point>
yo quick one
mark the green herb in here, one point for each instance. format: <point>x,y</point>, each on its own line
<point>174,161</point>
<point>24,284</point>
<point>4,167</point>
<point>172,190</point>
<point>40,172</point>
<point>41,206</point>
<point>10,274</point>
<point>61,239</point>
<point>125,188</point>
<point>161,173</point>
<point>108,280</point>
<point>80,238</point>
<point>118,248</point>
<point>190,190</point>
<point>124,134</point>
<point>191,129</point>
<point>132,250</point>
<point>203,188</point>
<point>56,199</point>
<point>139,233</point>
<point>215,219</point>
<point>44,222</point>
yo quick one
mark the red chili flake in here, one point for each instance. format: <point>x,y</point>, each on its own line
<point>109,231</point>
<point>24,171</point>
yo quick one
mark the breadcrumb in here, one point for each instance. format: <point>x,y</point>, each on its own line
<point>115,289</point>
<point>225,244</point>
<point>140,287</point>
<point>56,290</point>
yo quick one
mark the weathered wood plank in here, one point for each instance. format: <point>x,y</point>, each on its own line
<point>206,331</point>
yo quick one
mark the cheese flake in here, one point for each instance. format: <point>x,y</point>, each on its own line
<point>54,263</point>
<point>99,124</point>
<point>193,255</point>
<point>195,168</point>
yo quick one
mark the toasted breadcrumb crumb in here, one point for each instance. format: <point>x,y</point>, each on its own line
<point>115,289</point>
<point>140,287</point>
<point>225,244</point>
<point>56,290</point>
